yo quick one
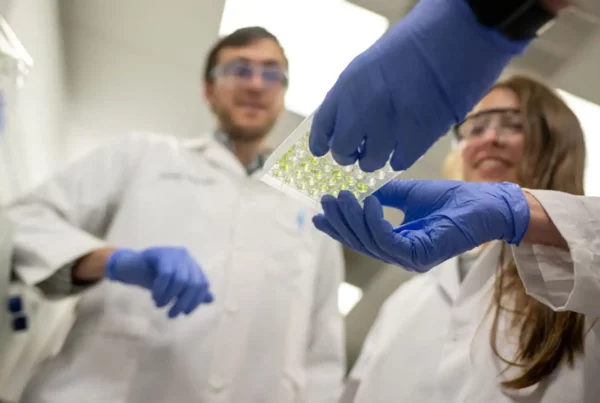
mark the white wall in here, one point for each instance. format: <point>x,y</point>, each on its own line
<point>40,102</point>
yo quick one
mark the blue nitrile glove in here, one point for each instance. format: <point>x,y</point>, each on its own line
<point>404,92</point>
<point>170,273</point>
<point>442,219</point>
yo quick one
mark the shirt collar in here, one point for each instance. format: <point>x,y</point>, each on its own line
<point>257,162</point>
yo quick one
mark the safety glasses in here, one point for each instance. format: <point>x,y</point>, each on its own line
<point>244,71</point>
<point>505,122</point>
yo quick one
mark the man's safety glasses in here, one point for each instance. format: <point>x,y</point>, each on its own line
<point>271,75</point>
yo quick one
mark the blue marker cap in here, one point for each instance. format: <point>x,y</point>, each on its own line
<point>15,304</point>
<point>19,324</point>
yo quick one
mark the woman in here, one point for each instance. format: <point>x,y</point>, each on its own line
<point>467,331</point>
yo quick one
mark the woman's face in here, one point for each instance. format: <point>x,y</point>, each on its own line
<point>492,140</point>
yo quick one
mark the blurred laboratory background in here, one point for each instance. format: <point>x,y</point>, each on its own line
<point>104,68</point>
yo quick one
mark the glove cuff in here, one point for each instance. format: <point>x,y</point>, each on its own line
<point>519,212</point>
<point>465,57</point>
<point>111,267</point>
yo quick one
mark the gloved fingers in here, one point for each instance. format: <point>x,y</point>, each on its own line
<point>396,193</point>
<point>425,254</point>
<point>384,236</point>
<point>348,137</point>
<point>322,126</point>
<point>322,224</point>
<point>338,222</point>
<point>203,295</point>
<point>346,159</point>
<point>112,262</point>
<point>398,159</point>
<point>179,279</point>
<point>407,153</point>
<point>205,285</point>
<point>355,217</point>
<point>185,299</point>
<point>208,297</point>
<point>435,239</point>
<point>375,151</point>
<point>379,141</point>
<point>182,303</point>
<point>162,282</point>
<point>341,227</point>
<point>197,300</point>
<point>194,292</point>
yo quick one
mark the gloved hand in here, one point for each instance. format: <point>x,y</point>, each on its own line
<point>404,92</point>
<point>442,219</point>
<point>170,273</point>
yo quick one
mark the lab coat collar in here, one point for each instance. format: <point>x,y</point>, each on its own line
<point>257,162</point>
<point>483,271</point>
<point>481,274</point>
<point>448,278</point>
<point>477,282</point>
<point>221,138</point>
<point>216,153</point>
<point>196,143</point>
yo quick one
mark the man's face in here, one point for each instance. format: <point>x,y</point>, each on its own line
<point>247,93</point>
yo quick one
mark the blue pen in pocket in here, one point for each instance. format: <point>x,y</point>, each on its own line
<point>301,219</point>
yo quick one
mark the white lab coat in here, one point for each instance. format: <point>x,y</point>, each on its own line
<point>274,332</point>
<point>431,341</point>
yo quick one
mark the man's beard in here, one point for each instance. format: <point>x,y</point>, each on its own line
<point>243,134</point>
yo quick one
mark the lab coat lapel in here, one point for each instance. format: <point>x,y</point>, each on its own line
<point>448,278</point>
<point>479,276</point>
<point>483,272</point>
<point>479,282</point>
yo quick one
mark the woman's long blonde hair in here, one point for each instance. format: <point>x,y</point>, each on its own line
<point>554,159</point>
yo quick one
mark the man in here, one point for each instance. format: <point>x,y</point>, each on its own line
<point>273,332</point>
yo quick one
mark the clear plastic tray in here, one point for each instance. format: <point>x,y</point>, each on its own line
<point>293,169</point>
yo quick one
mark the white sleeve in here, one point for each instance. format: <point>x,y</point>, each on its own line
<point>565,280</point>
<point>66,217</point>
<point>326,363</point>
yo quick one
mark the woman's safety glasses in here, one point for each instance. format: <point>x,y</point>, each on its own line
<point>505,123</point>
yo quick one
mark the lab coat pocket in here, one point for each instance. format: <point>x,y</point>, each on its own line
<point>92,368</point>
<point>126,311</point>
<point>112,325</point>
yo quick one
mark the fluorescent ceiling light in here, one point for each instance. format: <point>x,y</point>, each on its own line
<point>588,112</point>
<point>348,296</point>
<point>320,38</point>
